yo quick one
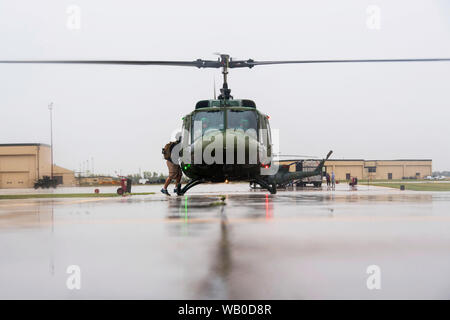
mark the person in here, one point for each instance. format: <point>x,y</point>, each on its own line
<point>205,125</point>
<point>173,166</point>
<point>333,180</point>
<point>327,176</point>
<point>243,124</point>
<point>353,183</point>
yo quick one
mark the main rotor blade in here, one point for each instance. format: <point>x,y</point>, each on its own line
<point>197,63</point>
<point>294,155</point>
<point>251,63</point>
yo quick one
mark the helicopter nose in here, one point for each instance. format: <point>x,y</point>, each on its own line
<point>230,147</point>
<point>240,148</point>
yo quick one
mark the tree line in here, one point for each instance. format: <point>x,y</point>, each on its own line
<point>151,177</point>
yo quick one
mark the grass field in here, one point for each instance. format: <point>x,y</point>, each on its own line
<point>364,181</point>
<point>424,186</point>
<point>66,195</point>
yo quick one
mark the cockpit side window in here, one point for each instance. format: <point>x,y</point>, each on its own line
<point>265,135</point>
<point>186,129</point>
<point>263,138</point>
<point>269,131</point>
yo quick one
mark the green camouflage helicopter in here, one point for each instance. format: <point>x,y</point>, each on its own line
<point>227,139</point>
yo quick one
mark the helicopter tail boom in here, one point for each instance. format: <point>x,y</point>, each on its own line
<point>284,177</point>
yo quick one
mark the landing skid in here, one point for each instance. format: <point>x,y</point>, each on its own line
<point>189,185</point>
<point>271,187</point>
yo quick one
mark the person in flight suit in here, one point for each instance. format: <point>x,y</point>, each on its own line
<point>173,166</point>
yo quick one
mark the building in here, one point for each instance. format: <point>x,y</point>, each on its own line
<point>64,177</point>
<point>373,169</point>
<point>379,169</point>
<point>22,164</point>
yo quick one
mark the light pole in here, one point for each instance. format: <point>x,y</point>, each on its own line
<point>50,108</point>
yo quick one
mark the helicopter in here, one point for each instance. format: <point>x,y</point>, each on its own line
<point>239,133</point>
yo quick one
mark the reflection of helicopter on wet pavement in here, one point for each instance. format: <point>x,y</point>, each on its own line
<point>223,117</point>
<point>198,214</point>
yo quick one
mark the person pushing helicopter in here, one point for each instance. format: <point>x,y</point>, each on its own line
<point>175,172</point>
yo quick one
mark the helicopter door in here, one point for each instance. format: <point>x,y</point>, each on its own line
<point>265,136</point>
<point>186,130</point>
<point>185,136</point>
<point>269,138</point>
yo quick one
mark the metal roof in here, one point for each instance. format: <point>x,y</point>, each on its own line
<point>23,144</point>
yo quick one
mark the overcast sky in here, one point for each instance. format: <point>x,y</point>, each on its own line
<point>121,116</point>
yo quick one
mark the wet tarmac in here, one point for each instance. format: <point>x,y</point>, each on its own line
<point>226,242</point>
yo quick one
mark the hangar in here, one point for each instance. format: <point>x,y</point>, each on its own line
<point>373,169</point>
<point>380,169</point>
<point>23,163</point>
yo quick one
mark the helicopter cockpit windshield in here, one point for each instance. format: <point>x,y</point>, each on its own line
<point>242,120</point>
<point>205,122</point>
<point>211,121</point>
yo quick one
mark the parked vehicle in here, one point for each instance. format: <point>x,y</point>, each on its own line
<point>125,186</point>
<point>46,182</point>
